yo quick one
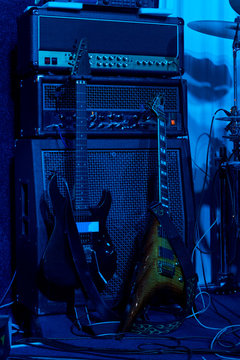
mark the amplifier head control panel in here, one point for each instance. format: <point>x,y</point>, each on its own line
<point>106,3</point>
<point>56,60</point>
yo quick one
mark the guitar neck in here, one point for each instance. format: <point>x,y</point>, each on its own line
<point>81,179</point>
<point>162,161</point>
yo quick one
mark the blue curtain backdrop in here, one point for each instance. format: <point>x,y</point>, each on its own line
<point>208,70</point>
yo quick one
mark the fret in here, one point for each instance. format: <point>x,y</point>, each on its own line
<point>163,173</point>
<point>164,183</point>
<point>164,186</point>
<point>162,124</point>
<point>164,200</point>
<point>164,205</point>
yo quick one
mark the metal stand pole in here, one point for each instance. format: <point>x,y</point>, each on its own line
<point>223,235</point>
<point>229,206</point>
<point>226,281</point>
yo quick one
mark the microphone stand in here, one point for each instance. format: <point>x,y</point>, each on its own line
<point>225,277</point>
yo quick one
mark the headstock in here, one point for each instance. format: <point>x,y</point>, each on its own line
<point>156,105</point>
<point>80,60</point>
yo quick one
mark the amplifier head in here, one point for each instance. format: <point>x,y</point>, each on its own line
<point>118,42</point>
<point>48,106</point>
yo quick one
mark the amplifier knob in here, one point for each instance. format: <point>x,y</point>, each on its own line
<point>105,64</point>
<point>99,57</point>
<point>111,64</point>
<point>125,58</point>
<point>119,64</point>
<point>104,57</point>
<point>99,64</point>
<point>125,65</point>
<point>144,62</point>
<point>111,58</point>
<point>139,62</point>
<point>110,116</point>
<point>150,62</point>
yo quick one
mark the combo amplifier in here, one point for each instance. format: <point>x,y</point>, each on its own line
<point>114,106</point>
<point>118,42</point>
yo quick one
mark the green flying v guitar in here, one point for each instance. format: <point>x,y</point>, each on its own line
<point>165,270</point>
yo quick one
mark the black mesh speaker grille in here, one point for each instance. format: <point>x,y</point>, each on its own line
<point>110,97</point>
<point>130,176</point>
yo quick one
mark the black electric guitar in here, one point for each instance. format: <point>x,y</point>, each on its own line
<point>165,270</point>
<point>66,263</point>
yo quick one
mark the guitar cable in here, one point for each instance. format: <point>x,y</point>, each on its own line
<point>7,290</point>
<point>201,238</point>
<point>151,349</point>
<point>205,172</point>
<point>222,330</point>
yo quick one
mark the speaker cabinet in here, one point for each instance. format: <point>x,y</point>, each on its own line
<point>127,167</point>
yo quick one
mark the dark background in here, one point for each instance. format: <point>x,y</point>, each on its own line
<point>9,11</point>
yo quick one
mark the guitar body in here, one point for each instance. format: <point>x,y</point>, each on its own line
<point>58,263</point>
<point>104,256</point>
<point>159,277</point>
<point>161,268</point>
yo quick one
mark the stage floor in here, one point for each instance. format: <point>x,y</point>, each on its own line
<point>215,332</point>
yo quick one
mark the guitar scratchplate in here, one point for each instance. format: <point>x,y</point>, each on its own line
<point>87,226</point>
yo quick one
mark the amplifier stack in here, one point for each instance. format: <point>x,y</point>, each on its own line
<point>133,57</point>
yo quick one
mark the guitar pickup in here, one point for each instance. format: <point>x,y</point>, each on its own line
<point>165,253</point>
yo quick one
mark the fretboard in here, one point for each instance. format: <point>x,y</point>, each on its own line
<point>81,179</point>
<point>162,161</point>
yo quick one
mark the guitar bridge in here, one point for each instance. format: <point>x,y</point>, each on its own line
<point>167,270</point>
<point>88,252</point>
